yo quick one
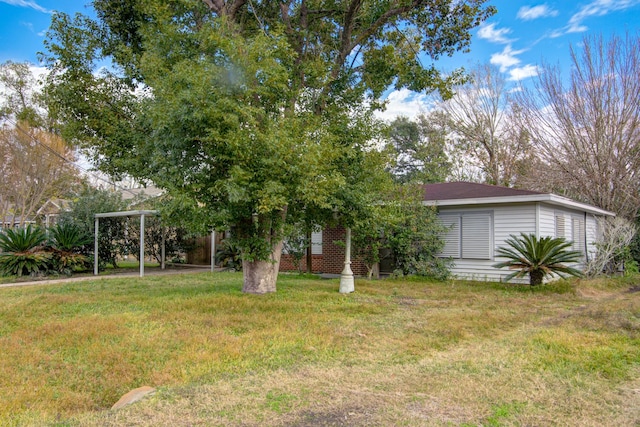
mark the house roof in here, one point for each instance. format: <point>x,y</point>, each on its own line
<point>469,190</point>
<point>54,206</point>
<point>471,193</point>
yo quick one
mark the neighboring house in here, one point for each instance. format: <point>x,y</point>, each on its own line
<point>49,212</point>
<point>11,221</point>
<point>140,193</point>
<point>481,217</point>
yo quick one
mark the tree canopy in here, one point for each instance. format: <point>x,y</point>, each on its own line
<point>418,148</point>
<point>253,112</point>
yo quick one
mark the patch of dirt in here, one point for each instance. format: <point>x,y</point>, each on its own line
<point>433,410</point>
<point>633,289</point>
<point>344,416</point>
<point>407,301</point>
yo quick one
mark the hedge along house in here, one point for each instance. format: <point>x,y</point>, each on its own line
<point>481,217</point>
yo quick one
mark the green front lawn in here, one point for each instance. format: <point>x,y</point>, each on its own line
<point>396,352</point>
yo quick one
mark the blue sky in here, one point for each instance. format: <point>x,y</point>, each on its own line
<point>518,38</point>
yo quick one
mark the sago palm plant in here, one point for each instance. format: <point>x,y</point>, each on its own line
<point>538,257</point>
<point>66,240</point>
<point>21,251</point>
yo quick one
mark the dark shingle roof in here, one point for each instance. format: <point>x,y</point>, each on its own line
<point>469,190</point>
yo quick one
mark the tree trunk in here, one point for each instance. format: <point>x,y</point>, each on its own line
<point>535,277</point>
<point>260,276</point>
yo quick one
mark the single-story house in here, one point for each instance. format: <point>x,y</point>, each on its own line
<point>480,218</point>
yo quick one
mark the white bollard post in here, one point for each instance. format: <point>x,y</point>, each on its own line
<point>347,284</point>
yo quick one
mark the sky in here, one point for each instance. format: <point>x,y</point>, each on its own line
<point>522,35</point>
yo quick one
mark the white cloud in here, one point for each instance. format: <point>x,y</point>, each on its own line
<point>596,8</point>
<point>40,73</point>
<point>27,3</point>
<point>29,25</point>
<point>521,73</point>
<point>528,13</point>
<point>493,34</point>
<point>405,103</point>
<point>506,59</point>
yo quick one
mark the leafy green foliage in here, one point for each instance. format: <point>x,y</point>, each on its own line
<point>68,262</point>
<point>538,258</point>
<point>67,241</point>
<point>68,236</point>
<point>416,240</point>
<point>21,251</point>
<point>177,241</point>
<point>229,256</point>
<point>406,227</point>
<point>418,148</point>
<point>22,239</point>
<point>296,245</point>
<point>111,237</point>
<point>27,262</point>
<point>256,116</point>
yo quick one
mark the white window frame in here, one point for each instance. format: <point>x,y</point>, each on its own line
<point>464,239</point>
<point>573,227</point>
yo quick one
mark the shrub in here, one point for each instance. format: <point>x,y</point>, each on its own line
<point>112,233</point>
<point>66,242</point>
<point>22,252</point>
<point>21,239</point>
<point>229,255</point>
<point>538,257</point>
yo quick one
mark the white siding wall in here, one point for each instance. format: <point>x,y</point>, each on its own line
<point>526,218</point>
<point>547,221</point>
<point>592,234</point>
<point>576,229</point>
<point>509,219</point>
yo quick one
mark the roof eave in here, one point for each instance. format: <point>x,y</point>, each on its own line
<point>529,198</point>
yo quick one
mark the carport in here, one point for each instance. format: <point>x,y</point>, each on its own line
<point>141,214</point>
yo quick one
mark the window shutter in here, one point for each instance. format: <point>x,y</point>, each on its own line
<point>476,236</point>
<point>316,243</point>
<point>577,228</point>
<point>560,226</point>
<point>451,236</point>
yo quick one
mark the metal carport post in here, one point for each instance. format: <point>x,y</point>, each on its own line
<point>142,214</point>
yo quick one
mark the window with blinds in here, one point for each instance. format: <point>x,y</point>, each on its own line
<point>578,234</point>
<point>451,237</point>
<point>468,235</point>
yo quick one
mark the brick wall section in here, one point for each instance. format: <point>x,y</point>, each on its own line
<point>333,255</point>
<point>332,259</point>
<point>286,263</point>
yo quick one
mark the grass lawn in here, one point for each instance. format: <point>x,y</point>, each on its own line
<point>395,352</point>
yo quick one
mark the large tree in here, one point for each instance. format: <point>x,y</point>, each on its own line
<point>254,112</point>
<point>418,150</point>
<point>586,128</point>
<point>35,164</point>
<point>480,119</point>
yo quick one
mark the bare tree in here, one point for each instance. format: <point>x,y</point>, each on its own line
<point>615,235</point>
<point>586,131</point>
<point>35,164</point>
<point>35,167</point>
<point>480,118</point>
